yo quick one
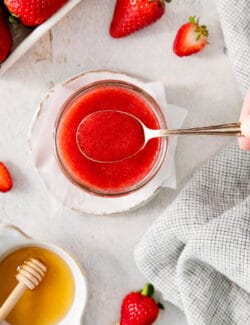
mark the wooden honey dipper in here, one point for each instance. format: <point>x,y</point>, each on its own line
<point>29,276</point>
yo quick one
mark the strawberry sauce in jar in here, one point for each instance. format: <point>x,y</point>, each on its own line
<point>109,178</point>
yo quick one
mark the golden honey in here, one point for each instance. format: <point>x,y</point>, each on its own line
<point>50,301</point>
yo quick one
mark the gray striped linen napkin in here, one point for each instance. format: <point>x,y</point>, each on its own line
<point>197,254</point>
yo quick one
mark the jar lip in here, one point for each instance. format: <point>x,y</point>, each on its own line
<point>153,106</point>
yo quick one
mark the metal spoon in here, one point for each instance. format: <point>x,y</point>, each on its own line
<point>229,129</point>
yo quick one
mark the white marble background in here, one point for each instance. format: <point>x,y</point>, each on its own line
<point>203,83</point>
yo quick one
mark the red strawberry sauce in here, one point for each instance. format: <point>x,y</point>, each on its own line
<point>110,136</point>
<point>107,177</point>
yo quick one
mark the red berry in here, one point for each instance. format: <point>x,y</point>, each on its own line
<point>5,38</point>
<point>133,15</point>
<point>191,38</point>
<point>138,308</point>
<point>33,12</point>
<point>5,179</point>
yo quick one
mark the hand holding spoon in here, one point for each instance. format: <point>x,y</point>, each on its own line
<point>109,136</point>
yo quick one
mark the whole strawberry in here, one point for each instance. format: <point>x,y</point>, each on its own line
<point>5,38</point>
<point>133,15</point>
<point>33,12</point>
<point>5,179</point>
<point>191,38</point>
<point>139,308</point>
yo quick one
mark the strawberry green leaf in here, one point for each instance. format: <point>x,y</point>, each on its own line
<point>148,290</point>
<point>192,19</point>
<point>198,37</point>
<point>13,19</point>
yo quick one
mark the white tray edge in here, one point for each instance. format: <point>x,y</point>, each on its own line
<point>35,35</point>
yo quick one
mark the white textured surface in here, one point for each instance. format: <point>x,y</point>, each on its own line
<point>204,84</point>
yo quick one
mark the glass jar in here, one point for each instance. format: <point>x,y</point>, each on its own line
<point>117,178</point>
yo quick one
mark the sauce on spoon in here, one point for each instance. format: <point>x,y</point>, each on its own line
<point>110,136</point>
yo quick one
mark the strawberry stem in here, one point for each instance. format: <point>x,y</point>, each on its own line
<point>13,19</point>
<point>200,29</point>
<point>148,290</point>
<point>160,306</point>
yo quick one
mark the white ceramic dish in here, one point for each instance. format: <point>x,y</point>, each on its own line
<point>12,238</point>
<point>35,34</point>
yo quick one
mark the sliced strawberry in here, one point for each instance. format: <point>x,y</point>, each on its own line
<point>133,15</point>
<point>191,38</point>
<point>5,38</point>
<point>5,179</point>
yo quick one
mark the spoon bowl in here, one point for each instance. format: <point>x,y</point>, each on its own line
<point>110,136</point>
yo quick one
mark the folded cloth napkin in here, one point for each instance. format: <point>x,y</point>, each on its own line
<point>198,252</point>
